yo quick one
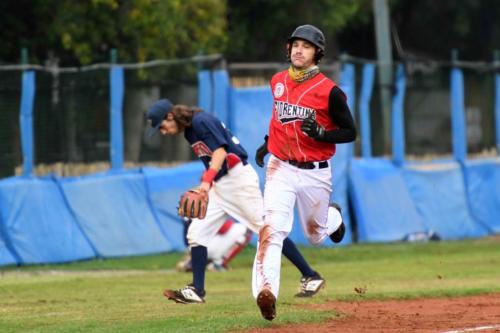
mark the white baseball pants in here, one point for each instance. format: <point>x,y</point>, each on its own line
<point>285,186</point>
<point>235,195</point>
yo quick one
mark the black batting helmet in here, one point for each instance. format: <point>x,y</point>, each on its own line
<point>311,34</point>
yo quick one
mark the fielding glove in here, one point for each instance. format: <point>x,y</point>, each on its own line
<point>193,204</point>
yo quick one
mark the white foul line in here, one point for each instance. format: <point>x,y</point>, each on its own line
<point>474,329</point>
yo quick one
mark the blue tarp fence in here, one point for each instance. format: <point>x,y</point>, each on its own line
<point>453,199</point>
<point>133,212</point>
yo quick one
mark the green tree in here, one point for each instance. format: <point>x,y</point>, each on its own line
<point>432,28</point>
<point>83,32</point>
<point>258,29</point>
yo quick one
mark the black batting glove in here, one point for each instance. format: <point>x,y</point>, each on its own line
<point>311,128</point>
<point>261,153</point>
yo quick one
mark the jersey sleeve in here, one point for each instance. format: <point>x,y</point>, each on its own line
<point>341,115</point>
<point>211,133</point>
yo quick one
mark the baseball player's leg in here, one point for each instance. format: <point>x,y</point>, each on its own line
<point>184,264</point>
<point>199,234</point>
<point>293,254</point>
<point>279,200</point>
<point>227,243</point>
<point>241,243</point>
<point>266,270</point>
<point>240,196</point>
<point>317,217</point>
<point>267,263</point>
<point>336,223</point>
<point>242,199</point>
<point>311,281</point>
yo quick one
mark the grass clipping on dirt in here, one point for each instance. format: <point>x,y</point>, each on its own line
<point>125,295</point>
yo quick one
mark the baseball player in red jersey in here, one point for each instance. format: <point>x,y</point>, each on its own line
<point>310,115</point>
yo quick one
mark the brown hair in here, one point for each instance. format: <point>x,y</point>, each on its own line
<point>183,115</point>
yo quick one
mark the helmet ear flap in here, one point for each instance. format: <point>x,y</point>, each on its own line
<point>318,55</point>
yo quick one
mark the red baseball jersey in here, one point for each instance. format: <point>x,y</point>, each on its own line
<point>293,102</point>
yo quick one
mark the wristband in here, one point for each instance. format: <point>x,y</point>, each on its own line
<point>209,176</point>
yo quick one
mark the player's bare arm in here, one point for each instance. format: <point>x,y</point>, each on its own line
<point>218,158</point>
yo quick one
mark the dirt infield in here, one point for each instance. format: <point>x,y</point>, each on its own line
<point>457,315</point>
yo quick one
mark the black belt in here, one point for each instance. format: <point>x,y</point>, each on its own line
<point>309,165</point>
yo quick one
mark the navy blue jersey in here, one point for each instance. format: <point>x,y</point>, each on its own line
<point>206,134</point>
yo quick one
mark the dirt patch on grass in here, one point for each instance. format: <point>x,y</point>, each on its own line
<point>458,314</point>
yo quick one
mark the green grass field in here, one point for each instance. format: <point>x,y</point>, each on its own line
<point>125,295</point>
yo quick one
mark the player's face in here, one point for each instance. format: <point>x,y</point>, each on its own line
<point>302,54</point>
<point>169,127</point>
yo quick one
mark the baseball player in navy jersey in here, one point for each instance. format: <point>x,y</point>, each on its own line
<point>233,190</point>
<point>310,115</point>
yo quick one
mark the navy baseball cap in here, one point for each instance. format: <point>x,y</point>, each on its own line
<point>157,113</point>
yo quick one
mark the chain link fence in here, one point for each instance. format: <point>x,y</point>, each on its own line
<point>10,138</point>
<point>71,119</point>
<point>427,110</point>
<point>71,111</point>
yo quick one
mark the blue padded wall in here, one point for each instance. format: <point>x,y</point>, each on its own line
<point>382,203</point>
<point>6,257</point>
<point>483,189</point>
<point>114,212</point>
<point>165,187</point>
<point>250,115</point>
<point>37,223</point>
<point>439,194</point>
<point>340,165</point>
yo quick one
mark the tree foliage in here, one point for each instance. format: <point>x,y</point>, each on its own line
<point>83,32</point>
<point>259,28</point>
<point>432,28</point>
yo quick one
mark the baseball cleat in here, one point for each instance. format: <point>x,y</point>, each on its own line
<point>185,295</point>
<point>267,304</point>
<point>309,286</point>
<point>338,235</point>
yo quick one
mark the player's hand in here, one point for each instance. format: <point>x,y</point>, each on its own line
<point>311,128</point>
<point>261,153</point>
<point>204,186</point>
